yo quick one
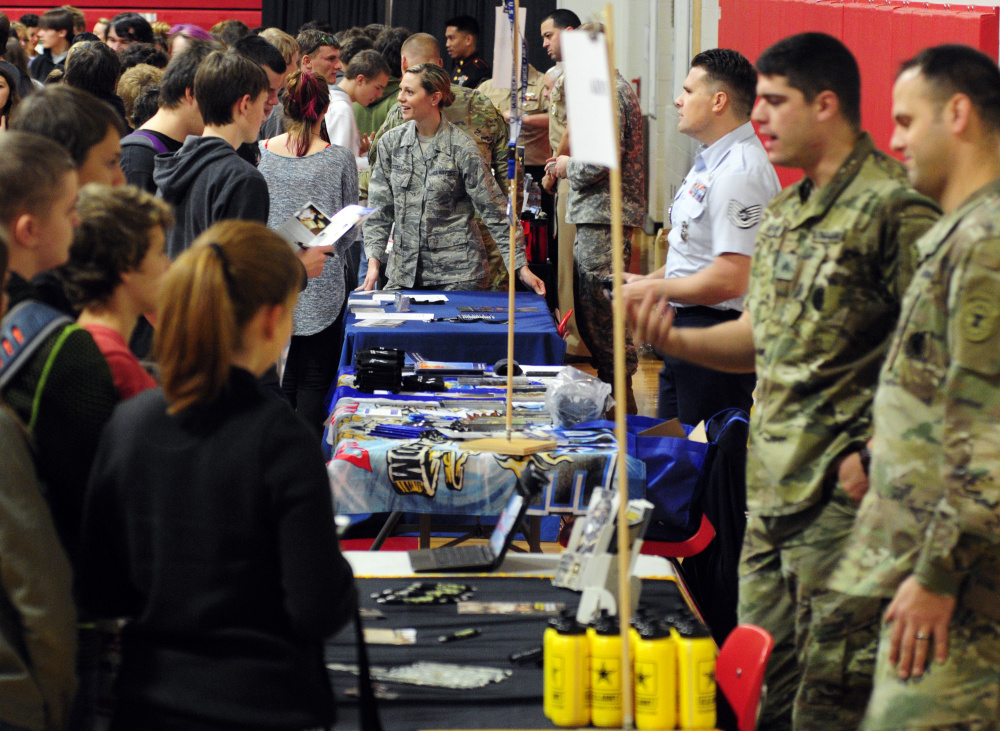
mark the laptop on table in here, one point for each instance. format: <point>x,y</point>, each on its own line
<point>485,557</point>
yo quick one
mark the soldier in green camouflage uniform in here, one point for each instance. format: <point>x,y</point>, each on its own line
<point>473,113</point>
<point>927,533</point>
<point>589,207</point>
<point>831,264</point>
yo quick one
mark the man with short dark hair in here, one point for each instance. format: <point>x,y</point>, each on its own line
<point>95,68</point>
<point>552,26</point>
<point>269,58</point>
<point>926,534</point>
<point>834,255</point>
<point>588,206</point>
<point>127,28</point>
<point>85,126</point>
<point>55,33</point>
<point>713,224</point>
<point>176,119</point>
<point>390,44</point>
<point>206,180</point>
<point>365,77</point>
<point>320,54</point>
<point>461,34</point>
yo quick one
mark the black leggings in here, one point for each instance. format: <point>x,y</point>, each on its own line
<point>311,369</point>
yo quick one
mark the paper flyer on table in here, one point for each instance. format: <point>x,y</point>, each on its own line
<point>310,226</point>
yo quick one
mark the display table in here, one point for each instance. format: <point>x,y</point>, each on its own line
<point>513,703</point>
<point>431,474</point>
<point>535,341</point>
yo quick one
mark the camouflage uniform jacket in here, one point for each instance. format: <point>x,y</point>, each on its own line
<point>433,201</point>
<point>934,506</point>
<point>827,276</point>
<point>472,113</point>
<point>589,199</point>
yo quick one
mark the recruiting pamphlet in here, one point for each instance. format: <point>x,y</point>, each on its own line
<point>310,226</point>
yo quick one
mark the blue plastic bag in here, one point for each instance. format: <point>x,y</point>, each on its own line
<point>673,476</point>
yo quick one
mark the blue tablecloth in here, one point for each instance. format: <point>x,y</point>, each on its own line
<point>536,341</point>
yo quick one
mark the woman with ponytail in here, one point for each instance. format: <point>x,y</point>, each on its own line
<point>208,520</point>
<point>302,166</point>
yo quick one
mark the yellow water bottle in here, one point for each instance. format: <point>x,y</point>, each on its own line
<point>695,674</point>
<point>605,672</point>
<point>566,667</point>
<point>655,677</point>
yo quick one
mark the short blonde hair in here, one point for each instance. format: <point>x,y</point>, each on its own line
<point>285,43</point>
<point>135,80</point>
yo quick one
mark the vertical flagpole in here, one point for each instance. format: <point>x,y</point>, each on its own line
<point>514,222</point>
<point>617,261</point>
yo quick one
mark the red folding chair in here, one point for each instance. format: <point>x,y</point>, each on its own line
<point>682,549</point>
<point>739,671</point>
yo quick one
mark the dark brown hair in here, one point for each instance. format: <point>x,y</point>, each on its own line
<point>307,98</point>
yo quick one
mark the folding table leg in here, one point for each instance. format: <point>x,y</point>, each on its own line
<point>386,531</point>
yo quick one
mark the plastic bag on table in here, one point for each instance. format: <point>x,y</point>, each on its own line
<point>574,397</point>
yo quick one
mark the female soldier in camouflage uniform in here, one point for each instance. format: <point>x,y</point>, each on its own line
<point>429,180</point>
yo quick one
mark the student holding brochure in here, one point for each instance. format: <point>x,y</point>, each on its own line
<point>302,167</point>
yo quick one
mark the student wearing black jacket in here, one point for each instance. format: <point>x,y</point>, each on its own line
<point>209,519</point>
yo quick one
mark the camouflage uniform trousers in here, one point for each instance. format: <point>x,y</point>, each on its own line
<point>592,257</point>
<point>819,674</point>
<point>963,694</point>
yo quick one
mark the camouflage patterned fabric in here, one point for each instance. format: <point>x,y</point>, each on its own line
<point>828,273</point>
<point>475,115</point>
<point>934,506</point>
<point>963,694</point>
<point>433,202</point>
<point>590,203</point>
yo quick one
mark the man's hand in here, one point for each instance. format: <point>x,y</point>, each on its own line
<point>919,618</point>
<point>852,476</point>
<point>651,318</point>
<point>628,277</point>
<point>313,258</point>
<point>365,143</point>
<point>530,280</point>
<point>637,287</point>
<point>371,277</point>
<point>560,167</point>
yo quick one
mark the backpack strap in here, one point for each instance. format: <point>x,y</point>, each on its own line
<point>151,140</point>
<point>25,329</point>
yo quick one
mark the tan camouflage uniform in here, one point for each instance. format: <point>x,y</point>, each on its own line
<point>433,201</point>
<point>827,276</point>
<point>934,507</point>
<point>589,207</point>
<point>473,113</point>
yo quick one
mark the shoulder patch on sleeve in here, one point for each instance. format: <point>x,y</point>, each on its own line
<point>745,216</point>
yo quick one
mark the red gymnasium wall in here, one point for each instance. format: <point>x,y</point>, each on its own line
<point>200,12</point>
<point>880,35</point>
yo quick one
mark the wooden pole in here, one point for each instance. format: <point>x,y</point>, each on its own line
<point>618,305</point>
<point>514,223</point>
